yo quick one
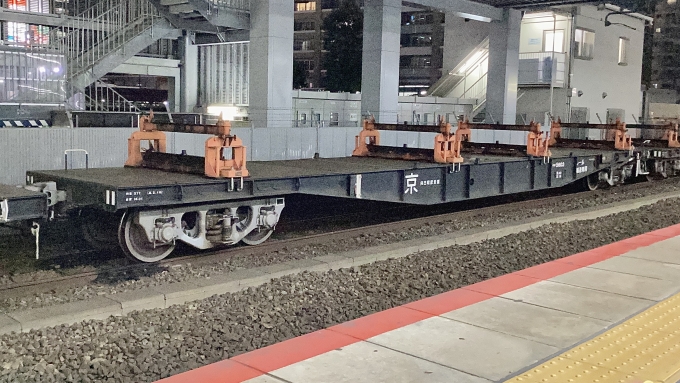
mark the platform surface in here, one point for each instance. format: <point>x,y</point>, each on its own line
<point>611,314</point>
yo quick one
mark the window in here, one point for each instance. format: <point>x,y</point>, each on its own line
<point>417,18</point>
<point>305,26</point>
<point>658,30</point>
<point>415,61</point>
<point>306,6</point>
<point>330,4</point>
<point>584,43</point>
<point>553,41</point>
<point>307,64</point>
<point>417,40</point>
<point>303,45</point>
<point>623,51</point>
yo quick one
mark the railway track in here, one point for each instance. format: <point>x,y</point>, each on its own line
<point>119,273</point>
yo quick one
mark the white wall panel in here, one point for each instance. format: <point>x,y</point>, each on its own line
<point>325,143</point>
<point>426,140</point>
<point>307,142</point>
<point>388,138</point>
<point>262,144</point>
<point>339,142</point>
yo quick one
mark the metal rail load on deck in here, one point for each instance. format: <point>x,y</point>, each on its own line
<point>616,134</point>
<point>448,145</point>
<point>669,136</point>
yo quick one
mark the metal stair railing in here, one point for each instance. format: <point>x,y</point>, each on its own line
<point>98,97</point>
<point>240,5</point>
<point>86,41</point>
<point>104,98</point>
<point>452,80</point>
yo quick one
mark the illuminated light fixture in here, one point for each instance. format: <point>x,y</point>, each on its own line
<point>56,69</point>
<point>41,69</point>
<point>228,113</point>
<point>471,61</point>
<point>538,15</point>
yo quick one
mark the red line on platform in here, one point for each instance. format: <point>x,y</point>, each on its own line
<point>262,361</point>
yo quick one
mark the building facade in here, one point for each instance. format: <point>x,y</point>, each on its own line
<point>571,66</point>
<point>575,68</point>
<point>422,44</point>
<point>666,46</point>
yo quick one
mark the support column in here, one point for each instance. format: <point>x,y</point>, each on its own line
<point>501,89</point>
<point>188,87</point>
<point>271,63</point>
<point>380,68</point>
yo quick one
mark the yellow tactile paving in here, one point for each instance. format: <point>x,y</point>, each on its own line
<point>565,370</point>
<point>644,349</point>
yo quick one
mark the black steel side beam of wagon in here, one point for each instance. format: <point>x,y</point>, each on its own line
<point>388,180</point>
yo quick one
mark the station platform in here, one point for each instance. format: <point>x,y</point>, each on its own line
<point>611,314</point>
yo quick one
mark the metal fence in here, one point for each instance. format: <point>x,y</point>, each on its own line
<point>225,74</point>
<point>542,68</point>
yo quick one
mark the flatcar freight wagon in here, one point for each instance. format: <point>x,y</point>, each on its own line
<point>160,198</point>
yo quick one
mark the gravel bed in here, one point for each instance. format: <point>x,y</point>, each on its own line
<point>149,345</point>
<point>154,276</point>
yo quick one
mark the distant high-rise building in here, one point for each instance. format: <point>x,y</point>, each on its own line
<point>666,46</point>
<point>422,41</point>
<point>422,50</point>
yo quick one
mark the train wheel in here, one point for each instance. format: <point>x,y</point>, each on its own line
<point>134,242</point>
<point>257,236</point>
<point>593,181</point>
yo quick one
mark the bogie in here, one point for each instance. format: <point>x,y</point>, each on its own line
<point>151,235</point>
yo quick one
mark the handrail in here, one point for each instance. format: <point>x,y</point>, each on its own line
<point>237,5</point>
<point>454,74</point>
<point>110,31</point>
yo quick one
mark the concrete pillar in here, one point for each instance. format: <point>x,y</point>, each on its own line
<point>460,38</point>
<point>501,89</point>
<point>271,63</point>
<point>380,68</point>
<point>188,84</point>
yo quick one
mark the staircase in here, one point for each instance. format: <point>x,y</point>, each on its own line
<point>467,80</point>
<point>95,43</point>
<point>211,16</point>
<point>106,35</point>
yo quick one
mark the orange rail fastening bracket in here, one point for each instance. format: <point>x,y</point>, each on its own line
<point>147,132</point>
<point>671,134</point>
<point>622,140</point>
<point>225,155</point>
<point>217,165</point>
<point>447,145</point>
<point>555,131</point>
<point>369,135</point>
<point>537,145</point>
